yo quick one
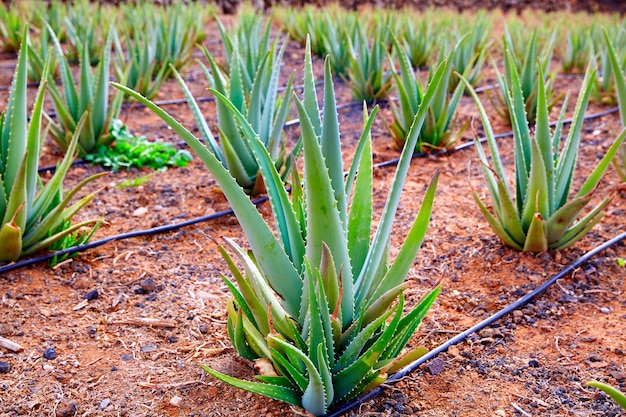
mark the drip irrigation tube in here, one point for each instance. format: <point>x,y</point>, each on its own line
<point>123,236</point>
<point>343,408</point>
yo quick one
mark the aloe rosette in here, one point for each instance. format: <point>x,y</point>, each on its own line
<point>321,300</point>
<point>540,214</point>
<point>620,85</point>
<point>34,216</point>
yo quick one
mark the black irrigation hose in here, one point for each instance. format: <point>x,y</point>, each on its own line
<point>123,236</point>
<point>343,408</point>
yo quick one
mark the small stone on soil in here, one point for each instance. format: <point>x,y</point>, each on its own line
<point>126,357</point>
<point>175,401</point>
<point>435,367</point>
<point>91,295</point>
<point>4,367</point>
<point>104,404</point>
<point>65,409</point>
<point>605,310</point>
<point>149,347</point>
<point>533,363</point>
<point>50,353</point>
<point>203,328</point>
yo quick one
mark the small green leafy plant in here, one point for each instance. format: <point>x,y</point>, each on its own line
<point>613,392</point>
<point>539,215</point>
<point>321,300</point>
<point>31,213</point>
<point>90,99</point>
<point>129,151</point>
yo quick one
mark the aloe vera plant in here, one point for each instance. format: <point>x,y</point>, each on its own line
<point>539,215</point>
<point>31,213</point>
<point>263,108</point>
<point>577,54</point>
<point>10,28</point>
<point>417,40</point>
<point>91,98</point>
<point>613,392</point>
<point>319,300</point>
<point>368,77</point>
<point>436,133</point>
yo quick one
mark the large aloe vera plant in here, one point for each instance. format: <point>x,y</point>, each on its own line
<point>91,98</point>
<point>31,213</point>
<point>539,214</point>
<point>320,301</point>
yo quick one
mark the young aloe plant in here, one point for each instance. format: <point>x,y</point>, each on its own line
<point>264,110</point>
<point>417,40</point>
<point>436,132</point>
<point>91,98</point>
<point>368,77</point>
<point>613,392</point>
<point>577,54</point>
<point>31,214</point>
<point>320,301</point>
<point>620,83</point>
<point>10,28</point>
<point>540,216</point>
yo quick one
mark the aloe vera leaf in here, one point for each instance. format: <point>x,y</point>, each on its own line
<point>269,113</point>
<point>542,136</point>
<point>14,135</point>
<point>47,194</point>
<point>279,120</point>
<point>256,101</point>
<point>71,94</point>
<point>359,151</point>
<point>288,368</point>
<point>330,278</point>
<point>320,324</point>
<point>272,391</point>
<point>360,341</point>
<point>207,135</point>
<point>620,83</point>
<point>536,239</point>
<point>233,159</point>
<point>567,161</point>
<point>360,216</point>
<point>409,324</point>
<point>323,219</point>
<point>54,217</point>
<point>597,173</point>
<point>562,219</point>
<point>310,97</point>
<point>268,252</point>
<point>263,289</point>
<point>536,195</point>
<point>522,141</point>
<point>348,377</point>
<point>35,140</point>
<point>556,136</point>
<point>411,245</point>
<point>331,144</point>
<point>279,380</point>
<point>285,217</point>
<point>99,102</point>
<point>614,393</point>
<point>314,397</point>
<point>491,142</point>
<point>10,241</point>
<point>381,237</point>
<point>236,332</point>
<point>45,243</point>
<point>245,296</point>
<point>496,225</point>
<point>582,226</point>
<point>406,359</point>
<point>15,212</point>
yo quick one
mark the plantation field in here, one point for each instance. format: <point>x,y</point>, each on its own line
<point>121,329</point>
